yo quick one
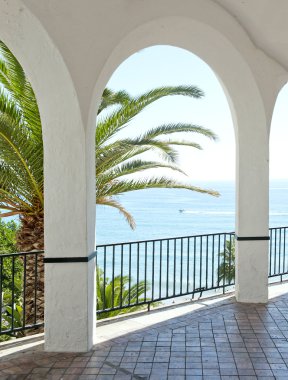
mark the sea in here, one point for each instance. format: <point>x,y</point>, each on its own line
<point>166,213</point>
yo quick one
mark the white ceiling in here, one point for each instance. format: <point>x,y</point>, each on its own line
<point>266,22</point>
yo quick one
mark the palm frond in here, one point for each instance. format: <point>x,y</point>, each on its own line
<point>21,147</point>
<point>14,192</point>
<point>136,166</point>
<point>123,186</point>
<point>18,152</point>
<point>107,201</point>
<point>10,108</point>
<point>117,120</point>
<point>184,143</point>
<point>112,98</point>
<point>167,129</point>
<point>15,82</point>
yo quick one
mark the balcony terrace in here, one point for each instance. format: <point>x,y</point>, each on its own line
<point>69,50</point>
<point>208,338</point>
<point>69,56</point>
<point>215,338</point>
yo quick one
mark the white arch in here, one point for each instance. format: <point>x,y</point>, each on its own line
<point>251,131</point>
<point>202,39</point>
<point>277,137</point>
<point>65,192</point>
<point>56,96</point>
<point>201,27</point>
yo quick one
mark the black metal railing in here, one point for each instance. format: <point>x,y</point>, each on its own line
<point>134,274</point>
<point>21,292</point>
<point>158,270</point>
<point>151,271</point>
<point>278,255</point>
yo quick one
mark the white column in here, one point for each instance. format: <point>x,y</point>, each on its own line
<point>252,209</point>
<point>70,312</point>
<point>69,323</point>
<point>69,186</point>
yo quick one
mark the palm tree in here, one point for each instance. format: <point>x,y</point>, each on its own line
<point>21,158</point>
<point>21,169</point>
<point>114,293</point>
<point>226,270</point>
<point>118,160</point>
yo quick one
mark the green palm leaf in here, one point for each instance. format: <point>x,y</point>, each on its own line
<point>115,293</point>
<point>165,129</point>
<point>114,122</point>
<point>123,186</point>
<point>112,98</point>
<point>21,147</point>
<point>118,160</point>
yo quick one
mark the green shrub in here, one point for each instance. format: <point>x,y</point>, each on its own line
<point>105,294</point>
<point>6,322</point>
<point>4,338</point>
<point>8,233</point>
<point>227,271</point>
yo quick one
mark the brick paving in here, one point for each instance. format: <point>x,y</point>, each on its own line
<point>226,340</point>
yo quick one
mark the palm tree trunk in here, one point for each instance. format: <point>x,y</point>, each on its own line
<point>31,238</point>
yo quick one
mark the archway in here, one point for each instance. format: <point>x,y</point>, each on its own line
<point>232,58</point>
<point>162,214</point>
<point>251,132</point>
<point>66,237</point>
<point>278,188</point>
<point>159,213</point>
<point>164,66</point>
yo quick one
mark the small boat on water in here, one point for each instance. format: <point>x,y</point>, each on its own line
<point>181,210</point>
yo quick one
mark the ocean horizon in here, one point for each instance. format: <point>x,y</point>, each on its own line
<point>163,213</point>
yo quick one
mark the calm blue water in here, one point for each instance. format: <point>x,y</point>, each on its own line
<point>157,215</point>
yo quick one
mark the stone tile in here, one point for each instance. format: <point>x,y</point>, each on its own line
<point>246,372</point>
<point>176,371</point>
<point>263,372</point>
<point>234,341</point>
<point>157,377</point>
<point>228,372</point>
<point>91,371</point>
<point>74,371</point>
<point>121,376</point>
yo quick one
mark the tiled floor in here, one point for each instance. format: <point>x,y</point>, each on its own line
<point>207,340</point>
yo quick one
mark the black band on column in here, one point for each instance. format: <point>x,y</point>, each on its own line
<point>251,238</point>
<point>82,259</point>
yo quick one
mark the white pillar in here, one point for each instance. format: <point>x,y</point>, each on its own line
<point>69,188</point>
<point>69,323</point>
<point>70,312</point>
<point>252,208</point>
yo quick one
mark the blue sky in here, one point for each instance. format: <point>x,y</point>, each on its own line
<point>166,65</point>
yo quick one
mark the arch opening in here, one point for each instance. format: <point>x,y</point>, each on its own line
<point>142,72</point>
<point>278,184</point>
<point>68,236</point>
<point>168,213</point>
<point>249,123</point>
